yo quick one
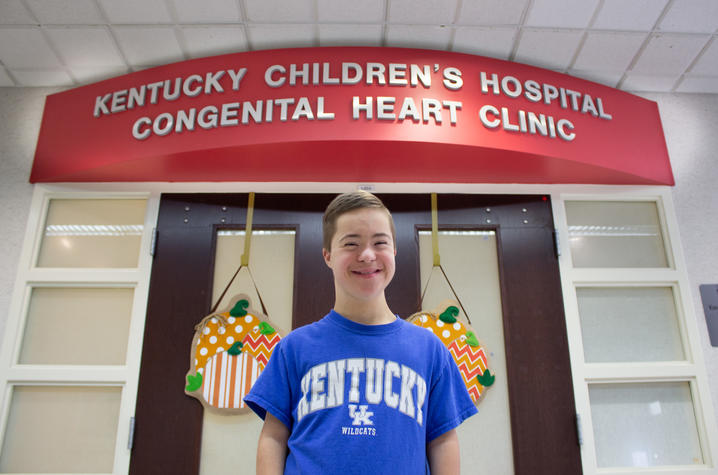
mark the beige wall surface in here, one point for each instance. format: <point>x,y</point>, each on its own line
<point>688,121</point>
<point>20,113</point>
<point>689,126</point>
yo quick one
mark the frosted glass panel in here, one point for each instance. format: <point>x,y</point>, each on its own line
<point>61,430</point>
<point>229,443</point>
<point>470,260</point>
<point>88,326</point>
<point>642,425</point>
<point>629,324</point>
<point>92,233</point>
<point>615,234</point>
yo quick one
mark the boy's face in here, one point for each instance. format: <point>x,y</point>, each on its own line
<point>362,254</point>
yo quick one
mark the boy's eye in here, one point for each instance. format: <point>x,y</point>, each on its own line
<point>349,244</point>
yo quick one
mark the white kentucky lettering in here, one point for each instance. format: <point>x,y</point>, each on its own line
<point>335,370</point>
<point>374,380</point>
<point>359,383</point>
<point>390,397</point>
<point>361,418</point>
<point>319,399</point>
<point>355,366</point>
<point>408,380</point>
<point>303,406</point>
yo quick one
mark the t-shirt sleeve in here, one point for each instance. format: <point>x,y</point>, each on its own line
<point>271,389</point>
<point>449,402</point>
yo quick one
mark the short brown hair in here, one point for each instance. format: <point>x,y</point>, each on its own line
<point>345,203</point>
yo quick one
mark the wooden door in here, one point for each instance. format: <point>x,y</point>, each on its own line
<point>168,423</point>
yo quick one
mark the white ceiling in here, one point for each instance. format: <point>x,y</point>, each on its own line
<point>635,45</point>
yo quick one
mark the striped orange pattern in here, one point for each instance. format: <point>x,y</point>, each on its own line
<point>227,379</point>
<point>472,362</point>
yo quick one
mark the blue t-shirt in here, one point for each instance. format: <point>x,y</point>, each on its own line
<point>361,398</point>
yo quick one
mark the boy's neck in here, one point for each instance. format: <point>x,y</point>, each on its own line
<point>366,313</point>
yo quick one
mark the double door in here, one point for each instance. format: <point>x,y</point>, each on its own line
<point>539,420</point>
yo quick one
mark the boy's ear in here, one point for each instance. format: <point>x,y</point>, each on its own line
<point>327,255</point>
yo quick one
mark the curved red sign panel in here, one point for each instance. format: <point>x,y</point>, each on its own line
<point>351,114</point>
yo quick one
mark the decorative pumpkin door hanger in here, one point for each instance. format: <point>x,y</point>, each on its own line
<point>458,336</point>
<point>230,349</point>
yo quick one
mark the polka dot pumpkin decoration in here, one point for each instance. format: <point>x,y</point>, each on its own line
<point>229,351</point>
<point>460,339</point>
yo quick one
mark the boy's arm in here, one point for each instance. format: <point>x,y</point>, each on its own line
<point>272,447</point>
<point>443,454</point>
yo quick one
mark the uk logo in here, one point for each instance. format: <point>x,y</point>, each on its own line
<point>362,417</point>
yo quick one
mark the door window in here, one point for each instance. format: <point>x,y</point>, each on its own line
<point>70,356</point>
<point>92,233</point>
<point>470,260</point>
<point>230,441</point>
<point>635,377</point>
<point>61,429</point>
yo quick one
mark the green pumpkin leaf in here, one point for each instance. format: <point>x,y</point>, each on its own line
<point>240,308</point>
<point>194,382</point>
<point>471,339</point>
<point>235,349</point>
<point>265,328</point>
<point>449,315</point>
<point>486,379</point>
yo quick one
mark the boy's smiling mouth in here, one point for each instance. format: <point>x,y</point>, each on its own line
<point>366,272</point>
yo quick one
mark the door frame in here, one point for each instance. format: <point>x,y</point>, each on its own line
<point>168,427</point>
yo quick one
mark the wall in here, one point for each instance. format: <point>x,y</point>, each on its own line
<point>689,125</point>
<point>21,112</point>
<point>688,120</point>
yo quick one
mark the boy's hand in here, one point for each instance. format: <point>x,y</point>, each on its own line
<point>272,447</point>
<point>443,454</point>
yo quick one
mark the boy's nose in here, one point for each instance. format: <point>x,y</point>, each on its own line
<point>367,254</point>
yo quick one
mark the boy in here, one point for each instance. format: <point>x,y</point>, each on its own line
<point>360,391</point>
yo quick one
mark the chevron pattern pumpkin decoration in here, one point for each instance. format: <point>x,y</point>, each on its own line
<point>460,339</point>
<point>229,351</point>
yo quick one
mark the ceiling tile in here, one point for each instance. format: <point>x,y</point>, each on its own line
<point>351,11</point>
<point>491,42</point>
<point>418,36</point>
<point>698,16</point>
<point>207,11</point>
<point>42,77</point>
<point>351,35</point>
<point>148,46</point>
<point>280,11</point>
<point>707,64</point>
<point>13,12</point>
<point>203,41</point>
<point>604,51</point>
<point>561,13</point>
<point>422,12</point>
<point>5,79</point>
<point>90,75</point>
<point>669,54</point>
<point>642,82</point>
<point>85,47</point>
<point>281,36</point>
<point>607,78</point>
<point>26,48</point>
<point>66,12</point>
<point>491,12</point>
<point>136,11</point>
<point>551,49</point>
<point>634,15</point>
<point>699,84</point>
